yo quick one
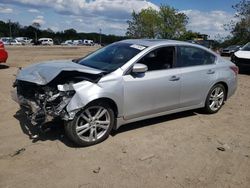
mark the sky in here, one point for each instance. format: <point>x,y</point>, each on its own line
<point>205,16</point>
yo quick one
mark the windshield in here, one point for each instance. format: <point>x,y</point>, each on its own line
<point>111,57</point>
<point>246,47</point>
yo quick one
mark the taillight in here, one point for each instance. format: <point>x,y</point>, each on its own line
<point>235,69</point>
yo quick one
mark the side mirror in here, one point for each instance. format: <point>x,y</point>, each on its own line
<point>139,68</point>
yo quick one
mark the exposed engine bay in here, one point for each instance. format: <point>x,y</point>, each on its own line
<point>43,103</point>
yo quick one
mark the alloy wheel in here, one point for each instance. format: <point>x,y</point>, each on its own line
<point>216,98</point>
<point>93,123</point>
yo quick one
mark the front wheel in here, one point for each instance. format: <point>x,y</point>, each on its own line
<point>215,99</point>
<point>92,125</point>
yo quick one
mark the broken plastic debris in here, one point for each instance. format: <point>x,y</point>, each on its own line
<point>97,170</point>
<point>221,148</point>
<point>17,152</point>
<point>147,157</point>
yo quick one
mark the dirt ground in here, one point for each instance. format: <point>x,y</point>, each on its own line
<point>179,150</point>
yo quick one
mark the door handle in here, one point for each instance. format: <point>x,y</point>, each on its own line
<point>210,71</point>
<point>174,78</point>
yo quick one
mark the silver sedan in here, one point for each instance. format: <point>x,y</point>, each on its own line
<point>124,82</point>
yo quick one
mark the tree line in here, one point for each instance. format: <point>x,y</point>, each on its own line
<point>165,23</point>
<point>14,29</point>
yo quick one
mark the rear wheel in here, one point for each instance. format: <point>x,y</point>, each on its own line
<point>215,99</point>
<point>92,125</point>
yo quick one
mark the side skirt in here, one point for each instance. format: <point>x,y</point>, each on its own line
<point>121,121</point>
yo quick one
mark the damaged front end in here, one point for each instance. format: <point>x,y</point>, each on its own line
<point>42,104</point>
<point>44,90</point>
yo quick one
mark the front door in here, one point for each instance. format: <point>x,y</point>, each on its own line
<point>157,90</point>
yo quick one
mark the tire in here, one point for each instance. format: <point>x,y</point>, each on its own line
<point>91,125</point>
<point>215,99</point>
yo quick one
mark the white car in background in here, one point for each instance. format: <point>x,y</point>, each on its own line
<point>67,43</point>
<point>88,42</point>
<point>24,40</point>
<point>6,40</point>
<point>46,41</point>
<point>242,57</point>
<point>15,42</point>
<point>77,42</point>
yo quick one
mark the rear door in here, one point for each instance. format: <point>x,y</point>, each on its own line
<point>198,73</point>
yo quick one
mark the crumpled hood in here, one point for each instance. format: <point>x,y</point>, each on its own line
<point>242,54</point>
<point>44,72</point>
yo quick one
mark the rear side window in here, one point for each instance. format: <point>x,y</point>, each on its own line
<point>192,56</point>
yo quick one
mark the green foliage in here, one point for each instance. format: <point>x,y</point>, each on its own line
<point>4,28</point>
<point>172,23</point>
<point>36,25</point>
<point>241,29</point>
<point>70,34</point>
<point>189,35</point>
<point>149,23</point>
<point>143,24</point>
<point>167,22</point>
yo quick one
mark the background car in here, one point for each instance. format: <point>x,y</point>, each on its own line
<point>230,50</point>
<point>6,40</point>
<point>67,43</point>
<point>24,40</point>
<point>77,42</point>
<point>242,57</point>
<point>3,53</point>
<point>46,41</point>
<point>15,42</point>
<point>124,82</point>
<point>88,42</point>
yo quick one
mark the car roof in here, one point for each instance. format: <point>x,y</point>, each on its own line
<point>159,42</point>
<point>156,42</point>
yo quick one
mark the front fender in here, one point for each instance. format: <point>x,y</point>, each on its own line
<point>87,91</point>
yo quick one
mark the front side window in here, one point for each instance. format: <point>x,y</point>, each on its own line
<point>159,59</point>
<point>192,56</point>
<point>111,57</point>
